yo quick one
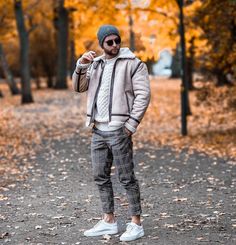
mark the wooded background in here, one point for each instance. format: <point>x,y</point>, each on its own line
<point>42,39</point>
<point>40,42</point>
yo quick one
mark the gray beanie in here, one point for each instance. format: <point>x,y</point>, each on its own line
<point>106,30</point>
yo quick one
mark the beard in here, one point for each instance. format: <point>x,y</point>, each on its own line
<point>113,52</point>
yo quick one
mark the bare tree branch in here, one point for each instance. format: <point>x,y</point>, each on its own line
<point>33,5</point>
<point>31,24</point>
<point>32,28</point>
<point>156,11</point>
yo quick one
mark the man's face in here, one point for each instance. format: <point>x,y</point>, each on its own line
<point>111,45</point>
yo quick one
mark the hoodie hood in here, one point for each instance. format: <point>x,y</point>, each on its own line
<point>124,53</point>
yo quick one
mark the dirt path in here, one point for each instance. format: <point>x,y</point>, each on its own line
<point>187,199</point>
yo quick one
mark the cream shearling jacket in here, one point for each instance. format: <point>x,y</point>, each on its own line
<point>129,89</point>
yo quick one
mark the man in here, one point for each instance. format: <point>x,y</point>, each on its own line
<point>118,94</point>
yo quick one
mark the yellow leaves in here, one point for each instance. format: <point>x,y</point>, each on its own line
<point>87,18</point>
<point>148,17</point>
<point>70,3</point>
<point>206,19</point>
<point>158,19</point>
<point>216,18</point>
<point>193,7</point>
<point>211,126</point>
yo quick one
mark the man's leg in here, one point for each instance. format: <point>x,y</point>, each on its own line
<point>122,150</point>
<point>102,162</point>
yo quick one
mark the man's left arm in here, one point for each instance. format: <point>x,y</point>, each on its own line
<point>142,94</point>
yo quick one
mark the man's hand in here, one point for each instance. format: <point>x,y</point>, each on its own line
<point>128,132</point>
<point>87,57</point>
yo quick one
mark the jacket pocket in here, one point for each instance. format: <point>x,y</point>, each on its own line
<point>127,101</point>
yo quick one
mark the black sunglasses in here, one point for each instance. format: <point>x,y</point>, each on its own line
<point>110,42</point>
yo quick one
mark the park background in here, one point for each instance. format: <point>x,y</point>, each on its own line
<point>41,41</point>
<point>46,191</point>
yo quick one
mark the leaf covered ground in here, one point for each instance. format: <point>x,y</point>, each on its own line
<point>60,114</point>
<point>187,198</point>
<point>211,125</point>
<point>188,195</point>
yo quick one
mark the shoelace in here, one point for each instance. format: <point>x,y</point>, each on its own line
<point>129,228</point>
<point>98,224</point>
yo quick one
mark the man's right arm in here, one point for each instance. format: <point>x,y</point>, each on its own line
<point>80,79</point>
<point>81,75</point>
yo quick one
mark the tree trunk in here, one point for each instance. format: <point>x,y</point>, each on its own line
<point>7,73</point>
<point>190,66</point>
<point>38,82</point>
<point>49,81</point>
<point>175,65</point>
<point>24,53</point>
<point>150,64</point>
<point>185,107</point>
<point>50,73</point>
<point>72,57</point>
<point>131,34</point>
<point>62,39</point>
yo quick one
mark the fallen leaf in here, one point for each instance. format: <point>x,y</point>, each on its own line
<point>179,199</point>
<point>3,235</point>
<point>107,237</point>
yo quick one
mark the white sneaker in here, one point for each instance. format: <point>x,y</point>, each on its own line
<point>102,228</point>
<point>132,232</point>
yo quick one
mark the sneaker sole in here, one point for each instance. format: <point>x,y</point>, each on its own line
<point>131,239</point>
<point>101,233</point>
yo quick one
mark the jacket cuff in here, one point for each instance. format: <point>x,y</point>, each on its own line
<point>130,127</point>
<point>81,66</point>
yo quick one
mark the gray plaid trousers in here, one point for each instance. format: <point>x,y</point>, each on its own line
<point>114,147</point>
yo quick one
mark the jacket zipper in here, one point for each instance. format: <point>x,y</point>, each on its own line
<point>96,94</point>
<point>111,90</point>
